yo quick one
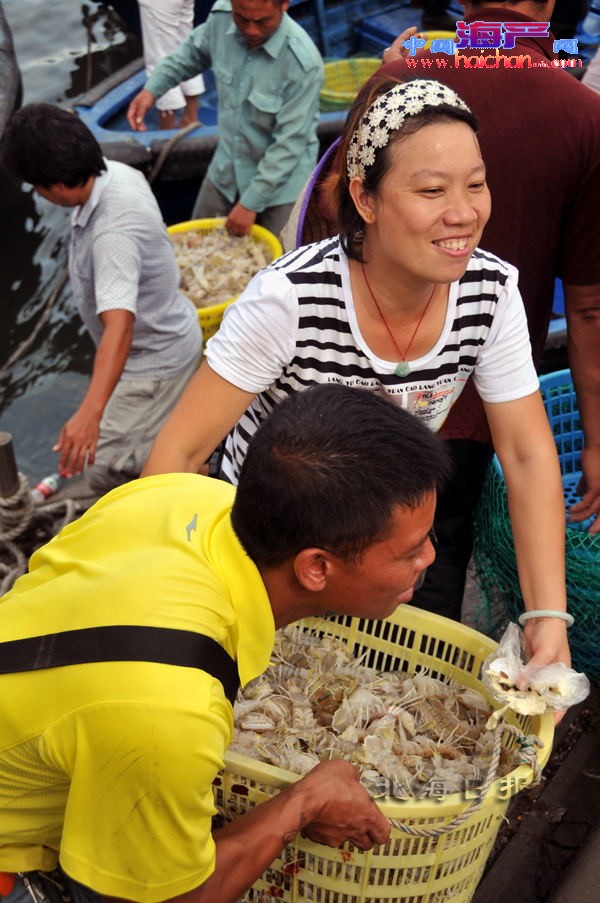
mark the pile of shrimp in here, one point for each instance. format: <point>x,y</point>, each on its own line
<point>216,266</point>
<point>410,736</point>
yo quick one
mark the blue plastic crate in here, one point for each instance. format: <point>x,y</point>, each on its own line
<point>333,25</point>
<point>455,8</point>
<point>385,26</point>
<point>561,407</point>
<point>560,402</point>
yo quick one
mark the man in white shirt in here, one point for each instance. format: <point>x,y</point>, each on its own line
<point>126,285</point>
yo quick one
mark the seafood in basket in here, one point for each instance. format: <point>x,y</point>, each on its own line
<point>215,266</point>
<point>410,736</point>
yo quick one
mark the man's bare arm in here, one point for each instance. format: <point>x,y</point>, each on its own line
<point>208,408</point>
<point>582,306</point>
<point>328,805</point>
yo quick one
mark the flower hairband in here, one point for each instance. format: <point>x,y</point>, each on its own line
<point>387,113</point>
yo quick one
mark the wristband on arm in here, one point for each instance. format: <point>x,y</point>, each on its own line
<point>546,613</point>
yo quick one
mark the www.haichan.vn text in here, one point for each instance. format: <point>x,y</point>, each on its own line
<point>488,61</point>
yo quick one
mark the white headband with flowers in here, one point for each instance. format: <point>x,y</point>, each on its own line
<point>387,113</point>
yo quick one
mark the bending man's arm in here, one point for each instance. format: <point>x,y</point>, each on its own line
<point>138,108</point>
<point>525,447</point>
<point>582,306</point>
<point>329,805</point>
<point>207,410</point>
<point>78,437</point>
<point>189,59</point>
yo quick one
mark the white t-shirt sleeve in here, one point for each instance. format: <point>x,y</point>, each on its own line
<point>504,369</point>
<point>257,337</point>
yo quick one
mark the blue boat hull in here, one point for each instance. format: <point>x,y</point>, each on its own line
<point>105,113</point>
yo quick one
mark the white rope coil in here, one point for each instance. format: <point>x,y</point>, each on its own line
<point>16,511</point>
<point>19,515</point>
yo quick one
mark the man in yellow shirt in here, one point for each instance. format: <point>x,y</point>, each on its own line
<point>107,761</point>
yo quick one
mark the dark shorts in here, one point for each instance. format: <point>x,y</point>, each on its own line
<point>49,887</point>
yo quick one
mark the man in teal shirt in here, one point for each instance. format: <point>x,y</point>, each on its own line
<point>268,74</point>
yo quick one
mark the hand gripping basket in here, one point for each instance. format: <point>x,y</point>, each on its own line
<point>210,317</point>
<point>408,869</point>
<point>494,554</point>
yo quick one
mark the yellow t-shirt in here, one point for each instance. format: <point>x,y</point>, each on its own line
<point>109,766</point>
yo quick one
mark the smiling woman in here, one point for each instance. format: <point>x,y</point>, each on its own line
<point>401,302</point>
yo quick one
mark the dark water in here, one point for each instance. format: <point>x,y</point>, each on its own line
<point>63,48</point>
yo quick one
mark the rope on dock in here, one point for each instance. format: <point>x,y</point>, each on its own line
<point>166,150</point>
<point>32,525</point>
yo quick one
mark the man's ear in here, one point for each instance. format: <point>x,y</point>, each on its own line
<point>312,568</point>
<point>363,201</point>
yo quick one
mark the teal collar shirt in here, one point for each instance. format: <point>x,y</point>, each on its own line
<point>268,106</point>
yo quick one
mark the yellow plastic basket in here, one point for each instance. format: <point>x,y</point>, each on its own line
<point>342,80</point>
<point>407,869</point>
<point>210,317</point>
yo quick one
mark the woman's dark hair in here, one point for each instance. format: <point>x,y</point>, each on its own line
<point>336,187</point>
<point>44,145</point>
<point>327,469</point>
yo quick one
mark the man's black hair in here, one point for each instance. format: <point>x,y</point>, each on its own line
<point>327,469</point>
<point>46,145</point>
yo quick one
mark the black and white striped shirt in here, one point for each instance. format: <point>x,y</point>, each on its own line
<point>295,325</point>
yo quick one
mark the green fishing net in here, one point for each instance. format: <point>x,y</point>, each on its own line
<point>500,599</point>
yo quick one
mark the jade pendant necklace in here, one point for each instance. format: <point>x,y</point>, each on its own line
<point>403,368</point>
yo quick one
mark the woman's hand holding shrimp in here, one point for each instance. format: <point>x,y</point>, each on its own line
<point>546,642</point>
<point>527,453</point>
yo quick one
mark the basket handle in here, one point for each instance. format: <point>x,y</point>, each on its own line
<point>527,756</point>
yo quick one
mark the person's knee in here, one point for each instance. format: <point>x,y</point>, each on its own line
<point>106,475</point>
